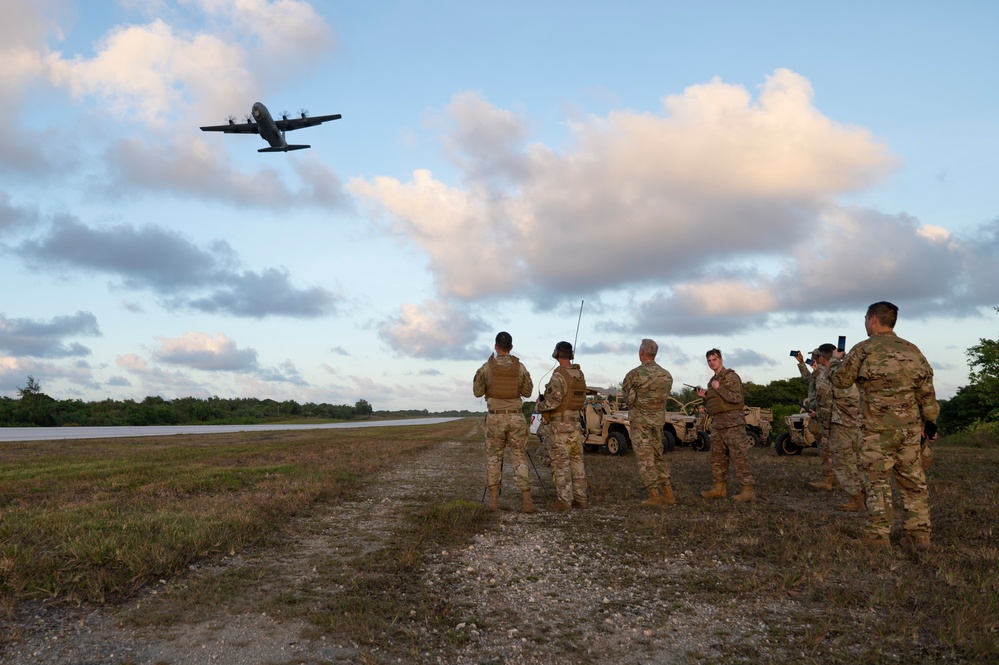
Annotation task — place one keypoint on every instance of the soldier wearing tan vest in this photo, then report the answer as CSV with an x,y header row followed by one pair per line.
x,y
564,396
504,381
723,401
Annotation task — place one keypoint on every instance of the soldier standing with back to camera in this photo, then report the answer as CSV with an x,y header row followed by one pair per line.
x,y
821,405
564,396
844,436
504,380
898,404
646,389
724,403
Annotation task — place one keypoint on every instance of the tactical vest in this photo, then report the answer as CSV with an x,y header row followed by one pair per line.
x,y
575,392
714,404
504,381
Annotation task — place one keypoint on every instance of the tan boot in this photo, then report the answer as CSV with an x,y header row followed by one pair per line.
x,y
825,485
719,491
559,506
747,495
528,504
666,492
580,503
654,498
854,505
493,498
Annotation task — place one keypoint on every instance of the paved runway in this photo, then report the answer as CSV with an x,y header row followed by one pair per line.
x,y
57,433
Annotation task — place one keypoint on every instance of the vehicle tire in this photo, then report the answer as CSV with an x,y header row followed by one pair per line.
x,y
703,442
669,441
617,443
785,446
754,439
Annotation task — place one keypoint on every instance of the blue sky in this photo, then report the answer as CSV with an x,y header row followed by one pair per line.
x,y
748,176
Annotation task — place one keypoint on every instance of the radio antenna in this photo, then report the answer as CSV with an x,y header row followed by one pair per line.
x,y
577,325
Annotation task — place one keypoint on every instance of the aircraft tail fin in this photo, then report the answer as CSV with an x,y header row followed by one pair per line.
x,y
285,148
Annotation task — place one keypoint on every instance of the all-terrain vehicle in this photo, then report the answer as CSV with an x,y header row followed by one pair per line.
x,y
687,428
798,435
758,422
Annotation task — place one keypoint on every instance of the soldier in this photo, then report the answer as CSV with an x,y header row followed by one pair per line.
x,y
646,389
504,380
820,398
844,436
564,396
724,403
898,404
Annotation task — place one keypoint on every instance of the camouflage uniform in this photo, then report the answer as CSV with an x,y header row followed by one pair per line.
x,y
565,443
821,402
646,389
896,397
505,422
844,439
728,428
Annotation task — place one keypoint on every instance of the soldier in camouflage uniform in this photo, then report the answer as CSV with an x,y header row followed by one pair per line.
x,y
844,435
564,396
724,403
646,389
898,402
504,380
821,405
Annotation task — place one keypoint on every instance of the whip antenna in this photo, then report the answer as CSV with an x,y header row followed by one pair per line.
x,y
577,325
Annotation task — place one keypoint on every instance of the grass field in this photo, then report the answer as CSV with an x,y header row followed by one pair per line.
x,y
95,521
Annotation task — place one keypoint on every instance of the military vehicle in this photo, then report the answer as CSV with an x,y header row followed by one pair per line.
x,y
758,421
695,429
606,425
798,435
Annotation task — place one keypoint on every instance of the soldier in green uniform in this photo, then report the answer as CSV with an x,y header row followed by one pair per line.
x,y
504,380
564,396
898,402
724,403
646,389
844,436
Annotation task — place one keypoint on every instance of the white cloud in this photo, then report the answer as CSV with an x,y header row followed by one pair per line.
x,y
433,330
636,197
205,352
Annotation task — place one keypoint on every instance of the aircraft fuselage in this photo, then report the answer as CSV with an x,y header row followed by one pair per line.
x,y
267,127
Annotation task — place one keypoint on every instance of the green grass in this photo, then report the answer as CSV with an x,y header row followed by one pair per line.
x,y
94,521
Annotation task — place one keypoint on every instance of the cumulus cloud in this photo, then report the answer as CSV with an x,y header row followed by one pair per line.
x,y
723,205
14,373
157,381
182,274
433,330
14,216
739,357
47,339
717,171
205,352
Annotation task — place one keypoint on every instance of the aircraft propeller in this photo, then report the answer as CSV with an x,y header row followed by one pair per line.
x,y
249,117
231,119
305,113
284,115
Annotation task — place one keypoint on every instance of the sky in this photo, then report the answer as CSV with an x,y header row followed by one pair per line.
x,y
746,176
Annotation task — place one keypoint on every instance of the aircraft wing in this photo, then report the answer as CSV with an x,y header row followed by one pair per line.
x,y
234,128
288,124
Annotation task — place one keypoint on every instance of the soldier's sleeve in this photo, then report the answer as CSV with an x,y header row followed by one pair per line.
x,y
843,373
479,382
926,397
627,388
803,370
553,394
526,383
730,388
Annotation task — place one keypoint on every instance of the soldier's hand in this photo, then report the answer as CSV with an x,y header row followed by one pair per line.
x,y
801,359
839,355
930,431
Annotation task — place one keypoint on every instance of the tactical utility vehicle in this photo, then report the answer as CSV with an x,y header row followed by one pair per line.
x,y
798,435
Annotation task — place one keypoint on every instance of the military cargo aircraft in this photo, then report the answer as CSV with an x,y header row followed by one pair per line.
x,y
260,122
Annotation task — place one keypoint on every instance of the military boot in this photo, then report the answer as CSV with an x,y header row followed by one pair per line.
x,y
654,498
747,495
493,498
528,504
854,505
559,506
825,485
666,492
580,503
719,491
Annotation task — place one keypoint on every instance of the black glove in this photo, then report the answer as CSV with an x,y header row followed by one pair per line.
x,y
929,430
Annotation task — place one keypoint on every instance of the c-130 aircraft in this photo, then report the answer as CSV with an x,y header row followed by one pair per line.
x,y
260,122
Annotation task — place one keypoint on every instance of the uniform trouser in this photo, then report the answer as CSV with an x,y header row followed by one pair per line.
x,y
730,443
825,451
884,454
844,444
506,430
566,451
647,440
